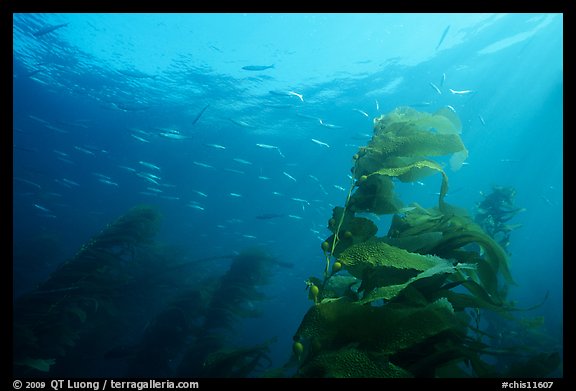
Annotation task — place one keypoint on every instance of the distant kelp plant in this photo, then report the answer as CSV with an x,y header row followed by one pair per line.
x,y
84,295
410,303
126,305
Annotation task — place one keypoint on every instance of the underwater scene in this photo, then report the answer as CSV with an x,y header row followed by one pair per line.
x,y
287,195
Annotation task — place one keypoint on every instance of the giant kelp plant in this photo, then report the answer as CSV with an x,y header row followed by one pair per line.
x,y
407,304
84,295
126,305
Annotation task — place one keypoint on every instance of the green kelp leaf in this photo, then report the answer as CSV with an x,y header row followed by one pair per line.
x,y
416,171
391,291
376,195
386,329
376,253
352,230
350,362
494,254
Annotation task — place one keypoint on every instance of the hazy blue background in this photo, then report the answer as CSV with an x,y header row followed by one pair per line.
x,y
91,98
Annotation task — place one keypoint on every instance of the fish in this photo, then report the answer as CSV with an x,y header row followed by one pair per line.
x,y
174,136
266,146
200,193
289,176
49,29
461,92
195,206
217,146
70,182
86,151
197,118
482,120
235,195
300,200
249,236
365,114
443,79
443,37
339,188
26,181
200,164
288,93
234,171
435,88
108,182
149,165
327,125
241,123
377,105
295,217
140,138
242,161
257,67
42,208
320,143
292,93
264,178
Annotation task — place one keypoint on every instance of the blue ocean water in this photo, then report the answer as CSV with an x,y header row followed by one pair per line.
x,y
240,129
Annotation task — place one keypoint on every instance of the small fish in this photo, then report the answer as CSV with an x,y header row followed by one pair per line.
x,y
300,200
26,181
339,188
292,93
289,176
320,143
149,165
147,178
200,193
443,79
460,92
365,114
175,136
48,29
377,105
235,195
125,168
242,161
435,88
101,175
216,146
277,193
234,171
295,217
108,182
70,182
249,236
482,120
257,67
266,146
327,125
443,37
195,206
42,208
84,150
241,123
197,118
139,138
200,164
264,178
